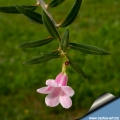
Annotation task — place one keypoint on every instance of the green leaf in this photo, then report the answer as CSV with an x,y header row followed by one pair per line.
x,y
37,43
49,30
76,67
34,16
72,14
88,49
55,3
43,58
65,40
14,10
50,26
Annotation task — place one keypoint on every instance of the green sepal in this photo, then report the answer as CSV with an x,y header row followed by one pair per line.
x,y
55,3
34,16
44,58
88,49
65,40
72,14
76,67
50,25
37,43
14,10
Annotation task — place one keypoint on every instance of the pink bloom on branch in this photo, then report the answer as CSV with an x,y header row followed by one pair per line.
x,y
58,91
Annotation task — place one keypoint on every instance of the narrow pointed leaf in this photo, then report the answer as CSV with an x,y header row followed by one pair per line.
x,y
14,10
50,26
37,43
65,40
88,49
76,67
55,3
34,16
72,14
43,58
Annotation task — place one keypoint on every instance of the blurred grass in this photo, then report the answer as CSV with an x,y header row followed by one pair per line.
x,y
98,24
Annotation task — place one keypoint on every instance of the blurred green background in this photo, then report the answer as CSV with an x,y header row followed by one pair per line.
x,y
97,24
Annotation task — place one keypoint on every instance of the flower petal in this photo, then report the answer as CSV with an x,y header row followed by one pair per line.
x,y
58,77
52,99
61,79
68,90
65,100
51,83
44,90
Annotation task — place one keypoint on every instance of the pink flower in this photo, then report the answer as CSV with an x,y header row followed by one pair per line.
x,y
58,91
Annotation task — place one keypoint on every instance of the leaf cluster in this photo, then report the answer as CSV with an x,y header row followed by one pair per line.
x,y
52,27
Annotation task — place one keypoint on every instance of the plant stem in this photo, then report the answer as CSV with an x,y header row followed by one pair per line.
x,y
45,8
